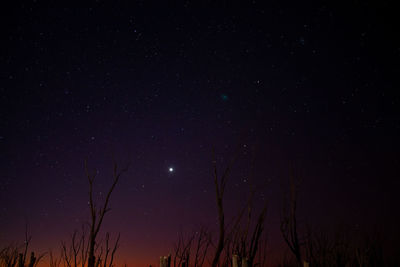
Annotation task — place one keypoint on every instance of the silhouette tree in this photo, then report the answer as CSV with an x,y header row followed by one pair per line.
x,y
97,213
243,242
220,183
192,250
289,227
12,256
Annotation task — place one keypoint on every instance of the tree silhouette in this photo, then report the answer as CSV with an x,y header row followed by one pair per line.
x,y
289,227
97,214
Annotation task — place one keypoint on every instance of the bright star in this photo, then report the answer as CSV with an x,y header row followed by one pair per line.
x,y
171,169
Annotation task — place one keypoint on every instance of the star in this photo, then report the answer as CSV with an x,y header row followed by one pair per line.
x,y
171,169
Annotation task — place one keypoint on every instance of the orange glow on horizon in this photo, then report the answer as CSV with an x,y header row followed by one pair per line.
x,y
118,263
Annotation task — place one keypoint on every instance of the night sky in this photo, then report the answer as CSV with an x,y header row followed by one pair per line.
x,y
312,88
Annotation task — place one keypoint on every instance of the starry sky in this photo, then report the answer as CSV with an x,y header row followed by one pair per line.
x,y
158,86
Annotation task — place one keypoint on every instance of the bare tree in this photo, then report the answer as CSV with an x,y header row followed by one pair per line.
x,y
84,248
28,239
244,236
244,242
12,256
53,260
183,250
202,245
9,256
192,250
289,227
97,213
109,259
76,252
220,183
232,238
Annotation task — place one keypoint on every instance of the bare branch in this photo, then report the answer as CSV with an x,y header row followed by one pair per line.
x,y
96,222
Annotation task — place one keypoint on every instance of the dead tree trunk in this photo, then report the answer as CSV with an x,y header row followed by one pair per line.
x,y
97,214
220,183
289,224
